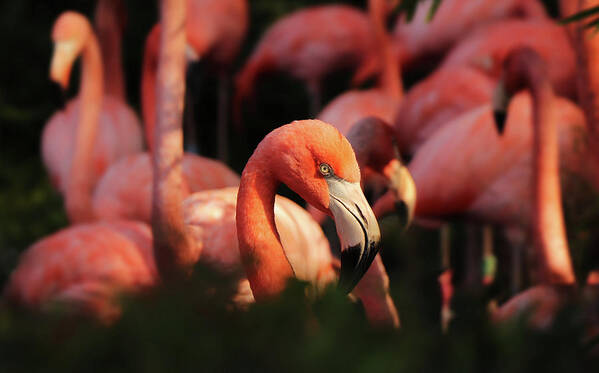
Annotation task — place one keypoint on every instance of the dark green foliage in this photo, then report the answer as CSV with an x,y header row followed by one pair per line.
x,y
584,15
191,326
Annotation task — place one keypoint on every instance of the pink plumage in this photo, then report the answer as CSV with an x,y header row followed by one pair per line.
x,y
119,134
454,20
86,266
125,191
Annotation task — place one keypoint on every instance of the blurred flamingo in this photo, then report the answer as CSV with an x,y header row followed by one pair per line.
x,y
525,69
308,44
470,71
125,190
587,50
103,128
490,45
215,30
382,101
109,21
83,265
490,176
421,39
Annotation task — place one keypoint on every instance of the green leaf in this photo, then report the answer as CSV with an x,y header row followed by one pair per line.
x,y
433,10
580,15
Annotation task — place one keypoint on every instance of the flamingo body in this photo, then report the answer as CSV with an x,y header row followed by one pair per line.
x,y
210,215
118,134
453,20
308,45
125,191
436,100
490,177
352,106
495,41
85,265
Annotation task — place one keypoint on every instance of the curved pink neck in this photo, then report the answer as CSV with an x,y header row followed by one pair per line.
x,y
266,265
549,231
173,247
390,78
108,19
80,184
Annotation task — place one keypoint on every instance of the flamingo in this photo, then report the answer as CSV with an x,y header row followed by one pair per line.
x,y
109,21
104,128
382,101
125,190
495,41
525,69
215,30
361,115
420,38
587,51
308,44
488,179
311,157
488,176
436,100
468,75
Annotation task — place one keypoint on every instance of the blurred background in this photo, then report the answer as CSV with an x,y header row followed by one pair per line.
x,y
189,327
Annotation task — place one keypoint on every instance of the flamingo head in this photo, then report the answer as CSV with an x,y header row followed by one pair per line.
x,y
70,33
316,161
377,152
515,75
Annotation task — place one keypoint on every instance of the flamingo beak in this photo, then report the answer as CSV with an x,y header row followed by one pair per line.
x,y
402,186
63,57
500,101
357,228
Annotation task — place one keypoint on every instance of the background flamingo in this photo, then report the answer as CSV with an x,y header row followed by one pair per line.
x,y
524,67
103,128
381,102
495,41
421,39
308,44
110,21
125,190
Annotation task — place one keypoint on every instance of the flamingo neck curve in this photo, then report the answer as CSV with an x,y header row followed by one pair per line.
x,y
173,248
91,91
264,259
390,78
549,232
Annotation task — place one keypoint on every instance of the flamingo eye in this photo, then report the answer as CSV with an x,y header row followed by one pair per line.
x,y
325,169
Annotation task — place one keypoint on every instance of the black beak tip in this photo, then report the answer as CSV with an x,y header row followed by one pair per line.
x,y
354,265
500,117
348,276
